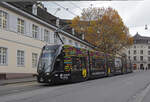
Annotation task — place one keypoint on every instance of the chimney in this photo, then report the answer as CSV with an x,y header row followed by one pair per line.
x,y
146,27
83,36
57,21
73,32
45,9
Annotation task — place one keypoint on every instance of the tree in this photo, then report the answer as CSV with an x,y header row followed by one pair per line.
x,y
104,28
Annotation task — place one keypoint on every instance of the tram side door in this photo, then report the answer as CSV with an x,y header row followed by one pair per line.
x,y
76,68
110,67
84,67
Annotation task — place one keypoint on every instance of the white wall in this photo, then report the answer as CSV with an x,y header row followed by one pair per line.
x,y
13,41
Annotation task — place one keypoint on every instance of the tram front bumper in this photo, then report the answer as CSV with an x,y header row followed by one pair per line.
x,y
43,78
47,77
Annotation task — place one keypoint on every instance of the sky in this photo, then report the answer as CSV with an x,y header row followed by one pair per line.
x,y
135,13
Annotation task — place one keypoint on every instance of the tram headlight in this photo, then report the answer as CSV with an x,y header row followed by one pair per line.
x,y
47,73
61,75
56,75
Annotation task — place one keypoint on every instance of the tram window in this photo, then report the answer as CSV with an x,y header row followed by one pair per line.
x,y
83,62
93,64
59,64
101,64
74,65
76,62
98,64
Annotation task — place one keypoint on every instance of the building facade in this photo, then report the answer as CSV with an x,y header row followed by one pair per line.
x,y
139,52
24,29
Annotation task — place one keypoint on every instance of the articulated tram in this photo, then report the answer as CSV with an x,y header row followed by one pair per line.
x,y
65,63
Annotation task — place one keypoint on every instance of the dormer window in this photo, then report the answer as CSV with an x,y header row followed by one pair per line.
x,y
34,9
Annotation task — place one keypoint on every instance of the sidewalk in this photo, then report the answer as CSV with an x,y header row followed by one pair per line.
x,y
13,81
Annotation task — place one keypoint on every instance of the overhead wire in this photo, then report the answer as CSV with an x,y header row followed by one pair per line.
x,y
65,8
75,5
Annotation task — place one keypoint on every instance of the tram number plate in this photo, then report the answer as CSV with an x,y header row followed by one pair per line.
x,y
64,76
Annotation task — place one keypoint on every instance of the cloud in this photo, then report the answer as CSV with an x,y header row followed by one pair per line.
x,y
135,14
140,15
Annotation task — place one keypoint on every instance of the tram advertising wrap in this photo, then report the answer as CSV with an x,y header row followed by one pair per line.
x,y
65,63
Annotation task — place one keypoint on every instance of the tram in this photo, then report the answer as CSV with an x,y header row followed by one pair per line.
x,y
65,63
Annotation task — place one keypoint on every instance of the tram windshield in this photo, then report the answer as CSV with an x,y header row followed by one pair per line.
x,y
47,57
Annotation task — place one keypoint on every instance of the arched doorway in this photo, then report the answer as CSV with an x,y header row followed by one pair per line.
x,y
142,66
134,66
148,66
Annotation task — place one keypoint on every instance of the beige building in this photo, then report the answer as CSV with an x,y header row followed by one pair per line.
x,y
139,52
24,29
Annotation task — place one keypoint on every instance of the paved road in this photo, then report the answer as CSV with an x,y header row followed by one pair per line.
x,y
124,88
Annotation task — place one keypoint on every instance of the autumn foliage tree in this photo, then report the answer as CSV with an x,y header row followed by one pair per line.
x,y
104,28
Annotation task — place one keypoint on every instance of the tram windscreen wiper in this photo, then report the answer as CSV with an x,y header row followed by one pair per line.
x,y
43,66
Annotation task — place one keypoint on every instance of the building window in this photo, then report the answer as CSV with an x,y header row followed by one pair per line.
x,y
129,57
35,31
21,26
3,56
76,44
3,19
34,60
141,58
46,35
129,52
134,51
141,52
134,46
134,58
148,47
148,58
70,41
20,58
148,52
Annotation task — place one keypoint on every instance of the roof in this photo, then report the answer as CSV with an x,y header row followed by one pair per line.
x,y
141,30
41,13
138,39
44,15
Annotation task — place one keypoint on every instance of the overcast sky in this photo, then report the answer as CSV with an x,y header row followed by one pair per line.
x,y
135,14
